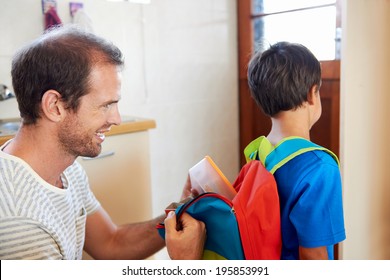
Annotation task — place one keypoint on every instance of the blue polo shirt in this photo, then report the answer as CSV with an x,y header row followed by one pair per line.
x,y
310,196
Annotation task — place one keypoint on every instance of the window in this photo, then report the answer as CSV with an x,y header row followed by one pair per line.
x,y
309,22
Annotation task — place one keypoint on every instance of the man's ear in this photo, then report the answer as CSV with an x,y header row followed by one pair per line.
x,y
51,105
312,94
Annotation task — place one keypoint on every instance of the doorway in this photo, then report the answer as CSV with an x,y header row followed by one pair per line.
x,y
253,123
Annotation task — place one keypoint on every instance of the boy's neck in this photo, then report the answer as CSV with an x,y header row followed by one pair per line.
x,y
289,123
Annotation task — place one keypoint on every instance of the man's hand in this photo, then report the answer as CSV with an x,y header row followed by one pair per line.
x,y
184,241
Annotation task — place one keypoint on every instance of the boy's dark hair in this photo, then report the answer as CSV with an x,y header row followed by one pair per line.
x,y
281,77
61,60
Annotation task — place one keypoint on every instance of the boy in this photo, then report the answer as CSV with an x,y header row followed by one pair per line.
x,y
285,82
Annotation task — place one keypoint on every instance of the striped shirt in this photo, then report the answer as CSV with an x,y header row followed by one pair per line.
x,y
38,220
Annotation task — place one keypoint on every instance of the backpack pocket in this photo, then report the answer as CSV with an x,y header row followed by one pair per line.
x,y
217,213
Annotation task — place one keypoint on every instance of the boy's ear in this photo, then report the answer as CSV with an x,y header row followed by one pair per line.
x,y
312,94
52,106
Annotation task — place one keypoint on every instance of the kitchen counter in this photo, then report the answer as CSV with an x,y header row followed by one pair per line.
x,y
129,124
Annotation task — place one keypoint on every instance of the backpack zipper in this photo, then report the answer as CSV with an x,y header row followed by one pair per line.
x,y
206,194
192,201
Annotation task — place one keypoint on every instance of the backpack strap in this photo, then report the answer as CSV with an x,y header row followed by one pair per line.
x,y
275,157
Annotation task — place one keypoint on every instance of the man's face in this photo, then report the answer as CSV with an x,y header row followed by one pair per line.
x,y
82,133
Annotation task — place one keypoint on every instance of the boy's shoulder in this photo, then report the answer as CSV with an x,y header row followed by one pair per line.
x,y
315,158
316,163
304,168
324,157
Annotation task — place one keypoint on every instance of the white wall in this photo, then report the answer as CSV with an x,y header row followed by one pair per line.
x,y
365,129
182,71
181,58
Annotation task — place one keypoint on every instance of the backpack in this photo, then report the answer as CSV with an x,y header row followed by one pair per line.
x,y
247,227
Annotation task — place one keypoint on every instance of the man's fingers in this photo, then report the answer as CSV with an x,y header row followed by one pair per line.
x,y
170,222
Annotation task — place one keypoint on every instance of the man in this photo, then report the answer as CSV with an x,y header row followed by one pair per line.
x,y
67,84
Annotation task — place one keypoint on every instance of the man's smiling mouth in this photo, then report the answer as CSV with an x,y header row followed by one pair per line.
x,y
101,134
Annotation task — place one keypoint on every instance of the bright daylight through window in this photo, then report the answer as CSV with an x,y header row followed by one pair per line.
x,y
309,22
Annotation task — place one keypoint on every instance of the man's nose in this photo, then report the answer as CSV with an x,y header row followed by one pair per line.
x,y
115,118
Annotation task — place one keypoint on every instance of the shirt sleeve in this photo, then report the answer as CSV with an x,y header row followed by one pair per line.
x,y
21,238
318,213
